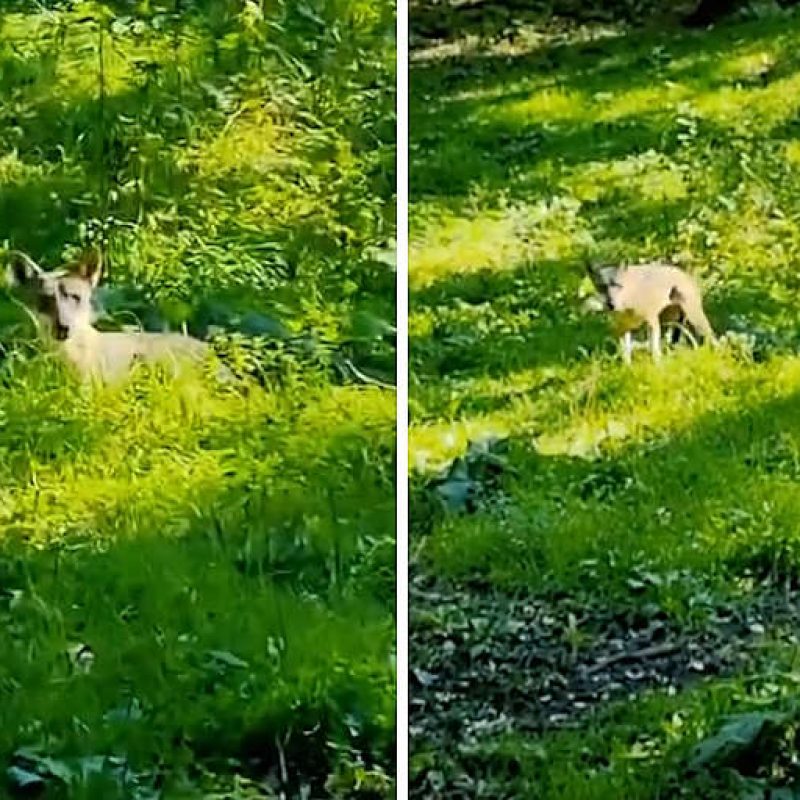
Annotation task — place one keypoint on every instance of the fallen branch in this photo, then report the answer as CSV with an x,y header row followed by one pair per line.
x,y
654,651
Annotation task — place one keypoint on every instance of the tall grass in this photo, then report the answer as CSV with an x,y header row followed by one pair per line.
x,y
197,581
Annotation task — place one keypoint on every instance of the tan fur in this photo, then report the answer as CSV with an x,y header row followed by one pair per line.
x,y
62,300
651,294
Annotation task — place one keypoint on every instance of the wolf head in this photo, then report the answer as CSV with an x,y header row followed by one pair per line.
x,y
62,298
606,281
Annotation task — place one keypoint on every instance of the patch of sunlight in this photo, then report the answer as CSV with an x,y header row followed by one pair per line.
x,y
724,105
61,50
254,140
342,412
670,399
747,237
764,108
650,175
529,395
194,440
561,105
549,230
14,170
61,500
526,41
736,57
745,66
461,245
543,106
792,151
637,102
650,401
421,323
432,447
604,407
277,202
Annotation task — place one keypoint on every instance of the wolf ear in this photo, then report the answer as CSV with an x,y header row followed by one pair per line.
x,y
602,276
90,267
21,270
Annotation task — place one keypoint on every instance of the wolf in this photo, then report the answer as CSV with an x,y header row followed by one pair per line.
x,y
61,301
649,294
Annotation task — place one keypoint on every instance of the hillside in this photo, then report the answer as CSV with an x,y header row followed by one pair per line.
x,y
605,580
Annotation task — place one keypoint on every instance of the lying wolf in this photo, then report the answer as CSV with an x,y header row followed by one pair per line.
x,y
62,302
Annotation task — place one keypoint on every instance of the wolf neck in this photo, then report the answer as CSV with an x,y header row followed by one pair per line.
x,y
83,334
81,342
81,349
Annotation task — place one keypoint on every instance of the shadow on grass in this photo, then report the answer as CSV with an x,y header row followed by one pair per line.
x,y
717,499
621,58
460,140
689,534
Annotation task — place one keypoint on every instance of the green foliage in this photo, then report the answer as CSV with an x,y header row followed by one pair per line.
x,y
197,582
641,510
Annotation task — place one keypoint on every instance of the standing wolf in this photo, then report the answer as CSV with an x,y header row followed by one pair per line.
x,y
649,294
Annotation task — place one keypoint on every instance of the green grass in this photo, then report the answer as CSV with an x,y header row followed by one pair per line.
x,y
527,156
197,581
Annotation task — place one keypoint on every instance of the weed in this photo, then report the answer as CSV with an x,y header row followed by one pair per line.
x,y
196,582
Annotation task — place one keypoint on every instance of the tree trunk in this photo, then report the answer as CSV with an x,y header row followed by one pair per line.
x,y
707,12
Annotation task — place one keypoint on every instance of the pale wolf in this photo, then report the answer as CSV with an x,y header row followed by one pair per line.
x,y
62,302
649,294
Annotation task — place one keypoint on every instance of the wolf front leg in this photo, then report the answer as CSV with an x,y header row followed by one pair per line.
x,y
655,339
626,344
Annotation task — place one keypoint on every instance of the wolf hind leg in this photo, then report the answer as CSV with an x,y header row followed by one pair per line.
x,y
693,313
674,318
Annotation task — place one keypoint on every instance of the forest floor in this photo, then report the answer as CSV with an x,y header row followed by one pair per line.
x,y
605,587
197,581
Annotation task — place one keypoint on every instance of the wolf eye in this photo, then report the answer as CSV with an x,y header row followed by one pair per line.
x,y
67,295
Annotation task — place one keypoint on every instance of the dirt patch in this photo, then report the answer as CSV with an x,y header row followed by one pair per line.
x,y
485,663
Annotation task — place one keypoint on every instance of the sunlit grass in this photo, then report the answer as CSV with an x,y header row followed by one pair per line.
x,y
222,555
193,510
655,145
460,244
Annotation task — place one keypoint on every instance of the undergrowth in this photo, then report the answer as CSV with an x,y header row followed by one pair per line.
x,y
197,581
662,499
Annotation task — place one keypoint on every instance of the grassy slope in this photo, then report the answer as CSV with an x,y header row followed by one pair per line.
x,y
224,556
526,156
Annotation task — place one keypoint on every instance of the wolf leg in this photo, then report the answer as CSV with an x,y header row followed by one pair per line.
x,y
626,342
655,339
696,317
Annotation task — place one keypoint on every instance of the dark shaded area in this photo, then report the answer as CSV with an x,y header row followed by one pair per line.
x,y
445,20
488,664
494,652
445,108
